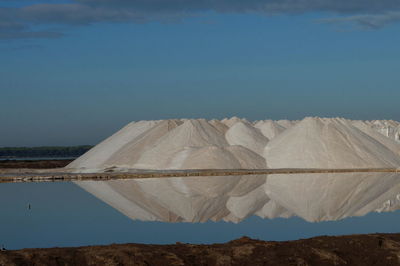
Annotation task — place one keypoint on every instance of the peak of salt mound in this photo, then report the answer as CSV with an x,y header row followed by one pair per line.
x,y
269,128
195,133
233,120
171,150
221,127
327,143
286,123
246,136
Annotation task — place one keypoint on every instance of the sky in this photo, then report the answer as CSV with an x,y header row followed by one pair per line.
x,y
73,72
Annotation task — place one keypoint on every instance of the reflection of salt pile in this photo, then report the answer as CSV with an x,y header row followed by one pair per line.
x,y
313,197
334,196
237,143
173,199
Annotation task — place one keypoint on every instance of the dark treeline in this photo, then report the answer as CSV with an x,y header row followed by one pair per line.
x,y
51,151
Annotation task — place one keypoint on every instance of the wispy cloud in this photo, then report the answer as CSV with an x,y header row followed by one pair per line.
x,y
14,29
374,21
20,22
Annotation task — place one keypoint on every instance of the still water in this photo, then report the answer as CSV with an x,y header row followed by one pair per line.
x,y
197,209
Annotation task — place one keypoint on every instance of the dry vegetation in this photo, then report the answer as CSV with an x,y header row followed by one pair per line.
x,y
374,249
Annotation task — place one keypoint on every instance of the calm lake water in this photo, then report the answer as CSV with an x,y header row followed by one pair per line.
x,y
197,209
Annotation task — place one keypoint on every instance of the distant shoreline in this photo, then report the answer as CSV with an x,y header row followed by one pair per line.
x,y
43,152
49,163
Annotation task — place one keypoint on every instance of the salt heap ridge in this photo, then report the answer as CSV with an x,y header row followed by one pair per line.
x,y
240,144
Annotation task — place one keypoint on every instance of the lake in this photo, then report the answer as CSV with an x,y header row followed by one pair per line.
x,y
197,209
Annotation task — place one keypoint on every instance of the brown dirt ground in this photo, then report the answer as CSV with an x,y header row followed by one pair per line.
x,y
372,249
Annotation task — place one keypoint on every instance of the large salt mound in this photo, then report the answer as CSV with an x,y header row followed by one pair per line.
x,y
246,136
327,143
170,144
237,143
269,128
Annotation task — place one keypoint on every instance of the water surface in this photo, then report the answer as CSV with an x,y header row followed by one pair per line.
x,y
197,209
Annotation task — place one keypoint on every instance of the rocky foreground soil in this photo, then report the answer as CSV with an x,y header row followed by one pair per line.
x,y
372,249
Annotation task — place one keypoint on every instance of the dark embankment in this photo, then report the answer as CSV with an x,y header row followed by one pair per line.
x,y
373,249
45,151
33,164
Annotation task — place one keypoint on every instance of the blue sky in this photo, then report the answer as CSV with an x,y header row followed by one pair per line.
x,y
73,72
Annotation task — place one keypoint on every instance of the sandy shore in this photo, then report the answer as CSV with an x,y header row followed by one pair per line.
x,y
16,171
369,249
61,174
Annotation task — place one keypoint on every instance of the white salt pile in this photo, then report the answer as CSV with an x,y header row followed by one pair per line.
x,y
330,143
270,128
237,143
247,136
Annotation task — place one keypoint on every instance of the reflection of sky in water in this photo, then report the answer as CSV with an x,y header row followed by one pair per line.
x,y
62,214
